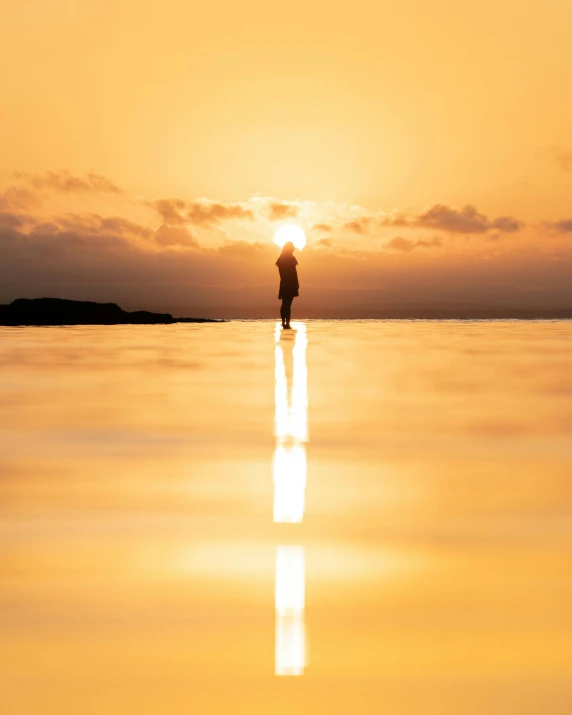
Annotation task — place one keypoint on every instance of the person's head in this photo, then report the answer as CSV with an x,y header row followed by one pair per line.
x,y
288,248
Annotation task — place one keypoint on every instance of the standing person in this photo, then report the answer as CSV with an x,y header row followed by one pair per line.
x,y
288,281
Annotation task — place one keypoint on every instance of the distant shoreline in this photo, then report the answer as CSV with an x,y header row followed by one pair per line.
x,y
61,312
308,309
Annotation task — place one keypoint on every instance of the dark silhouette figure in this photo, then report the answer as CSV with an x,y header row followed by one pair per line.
x,y
288,281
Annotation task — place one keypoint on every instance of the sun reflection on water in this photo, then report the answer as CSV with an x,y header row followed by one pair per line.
x,y
290,657
289,474
290,424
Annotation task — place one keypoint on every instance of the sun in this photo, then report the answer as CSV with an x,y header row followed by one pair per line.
x,y
290,232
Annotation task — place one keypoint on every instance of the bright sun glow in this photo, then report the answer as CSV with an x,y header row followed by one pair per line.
x,y
290,232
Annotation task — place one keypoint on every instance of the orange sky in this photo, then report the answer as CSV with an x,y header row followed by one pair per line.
x,y
425,147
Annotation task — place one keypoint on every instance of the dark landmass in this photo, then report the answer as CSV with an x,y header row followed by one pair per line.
x,y
56,311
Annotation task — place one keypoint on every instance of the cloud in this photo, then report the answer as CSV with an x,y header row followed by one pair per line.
x,y
564,158
359,225
401,244
507,224
405,245
65,181
245,250
10,220
170,210
94,224
167,235
16,198
466,220
210,212
278,210
323,227
202,212
563,226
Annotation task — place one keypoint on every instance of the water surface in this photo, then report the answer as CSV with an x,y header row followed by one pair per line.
x,y
350,517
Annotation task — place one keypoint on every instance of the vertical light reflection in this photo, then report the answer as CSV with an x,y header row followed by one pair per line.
x,y
290,423
290,656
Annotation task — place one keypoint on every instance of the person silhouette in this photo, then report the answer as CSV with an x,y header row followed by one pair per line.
x,y
288,281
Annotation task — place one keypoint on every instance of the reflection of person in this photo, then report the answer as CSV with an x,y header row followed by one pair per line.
x,y
288,281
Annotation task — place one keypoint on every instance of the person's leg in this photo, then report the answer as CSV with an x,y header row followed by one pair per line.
x,y
283,312
288,308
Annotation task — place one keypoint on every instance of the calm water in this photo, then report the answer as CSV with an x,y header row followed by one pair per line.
x,y
350,517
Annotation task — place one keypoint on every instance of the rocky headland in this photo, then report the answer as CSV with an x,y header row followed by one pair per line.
x,y
57,311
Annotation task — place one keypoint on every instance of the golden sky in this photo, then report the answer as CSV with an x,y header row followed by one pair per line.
x,y
436,138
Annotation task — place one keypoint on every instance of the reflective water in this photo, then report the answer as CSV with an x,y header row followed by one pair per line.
x,y
348,517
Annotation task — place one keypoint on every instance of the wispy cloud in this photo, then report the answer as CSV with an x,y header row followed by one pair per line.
x,y
167,235
200,213
360,225
278,210
94,224
465,220
68,183
563,226
10,220
205,212
172,211
17,198
563,157
405,245
323,227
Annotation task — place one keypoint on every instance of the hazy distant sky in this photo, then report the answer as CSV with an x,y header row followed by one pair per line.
x,y
150,150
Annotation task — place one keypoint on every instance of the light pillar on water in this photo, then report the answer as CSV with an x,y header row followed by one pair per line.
x,y
289,476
